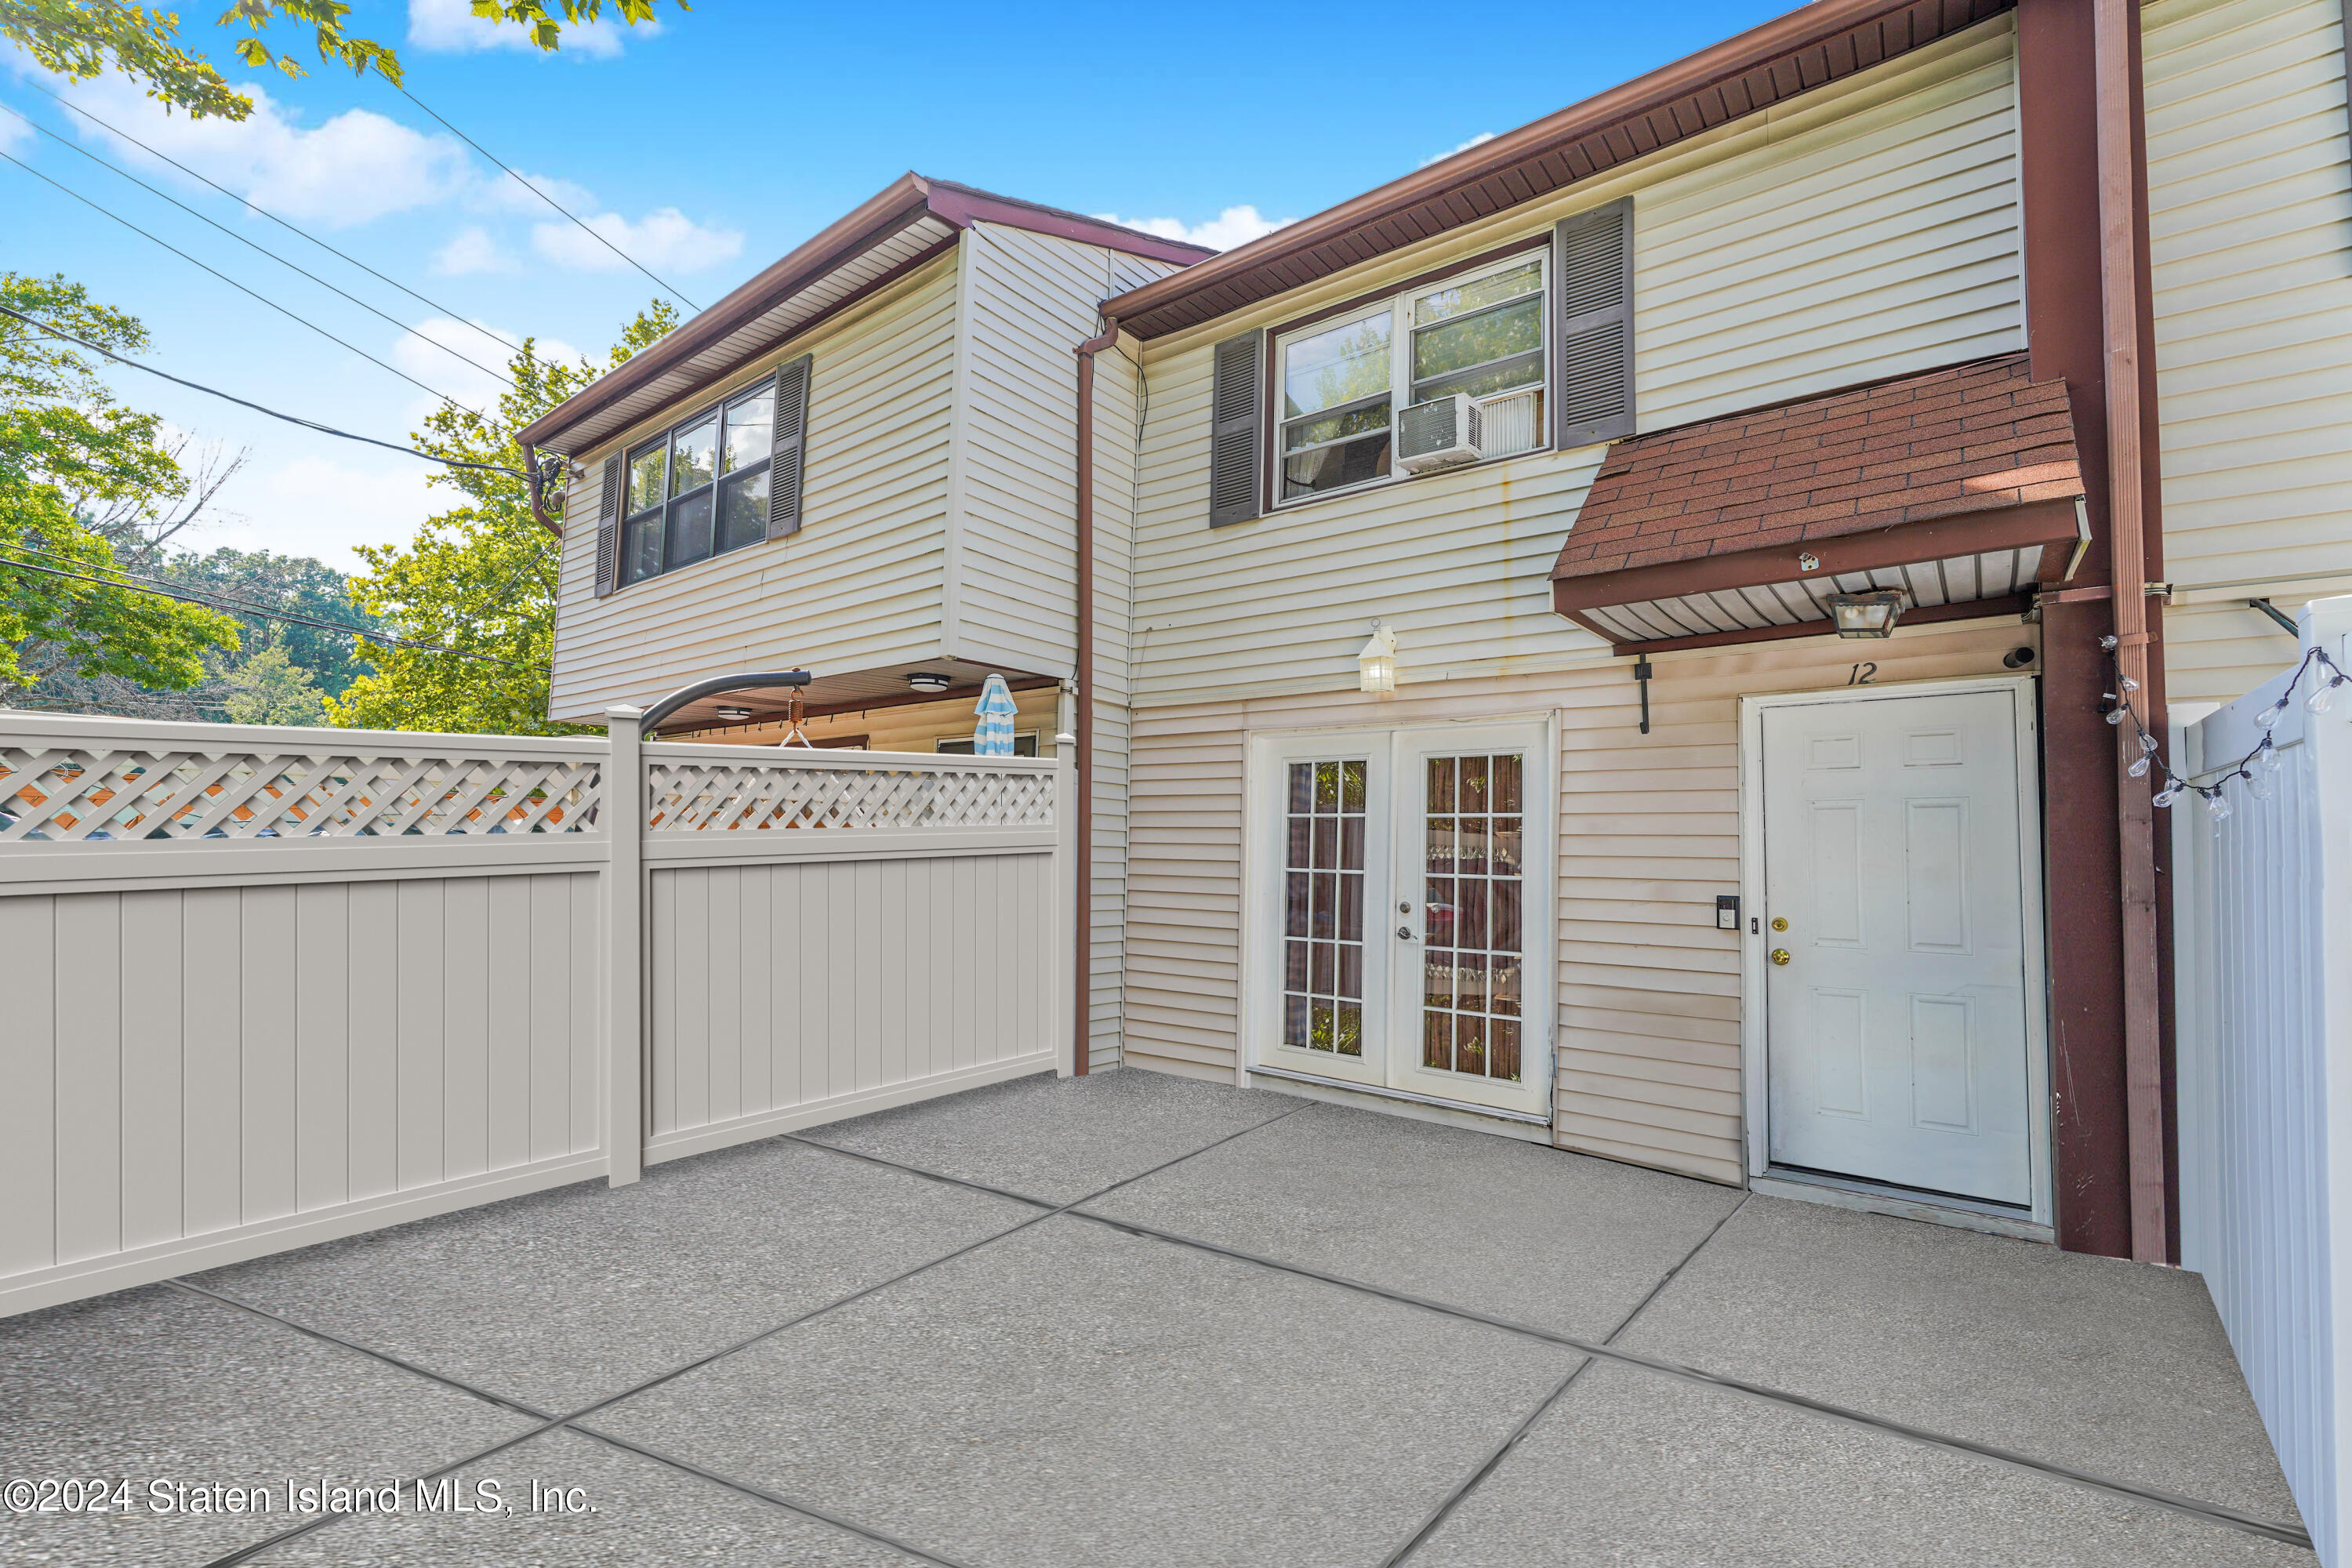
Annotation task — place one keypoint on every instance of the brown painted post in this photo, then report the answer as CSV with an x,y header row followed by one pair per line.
x,y
2058,129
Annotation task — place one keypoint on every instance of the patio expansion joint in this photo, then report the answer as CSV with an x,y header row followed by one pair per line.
x,y
2195,1508
573,1421
1470,1483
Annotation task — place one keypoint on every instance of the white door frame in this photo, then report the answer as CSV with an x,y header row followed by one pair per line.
x,y
1753,947
1262,778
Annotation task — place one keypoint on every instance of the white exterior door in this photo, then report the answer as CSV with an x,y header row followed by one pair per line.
x,y
1895,921
1402,894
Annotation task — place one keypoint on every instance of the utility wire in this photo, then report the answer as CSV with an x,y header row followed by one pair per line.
x,y
273,218
543,195
62,334
291,617
240,287
265,251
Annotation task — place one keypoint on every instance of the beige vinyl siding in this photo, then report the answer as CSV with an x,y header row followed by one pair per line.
x,y
1648,1060
1864,231
860,584
2250,229
1116,388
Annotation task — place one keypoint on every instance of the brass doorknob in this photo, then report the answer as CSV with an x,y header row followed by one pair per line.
x,y
1779,955
1779,922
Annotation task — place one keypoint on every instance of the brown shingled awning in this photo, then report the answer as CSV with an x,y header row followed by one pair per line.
x,y
1959,486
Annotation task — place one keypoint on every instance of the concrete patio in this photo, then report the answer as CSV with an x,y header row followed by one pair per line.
x,y
1132,1319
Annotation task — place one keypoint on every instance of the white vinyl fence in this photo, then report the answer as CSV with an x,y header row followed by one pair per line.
x,y
262,988
2263,922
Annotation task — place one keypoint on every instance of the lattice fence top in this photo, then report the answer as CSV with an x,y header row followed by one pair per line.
x,y
702,798
92,793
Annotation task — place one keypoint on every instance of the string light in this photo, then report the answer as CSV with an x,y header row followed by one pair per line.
x,y
2258,767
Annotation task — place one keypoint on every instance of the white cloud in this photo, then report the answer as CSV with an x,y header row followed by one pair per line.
x,y
1232,227
1478,141
348,170
472,251
504,193
450,27
664,240
321,507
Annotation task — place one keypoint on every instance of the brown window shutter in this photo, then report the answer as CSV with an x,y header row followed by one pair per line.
x,y
790,447
1236,402
1592,272
608,528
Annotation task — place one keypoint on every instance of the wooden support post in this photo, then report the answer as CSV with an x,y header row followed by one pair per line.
x,y
624,813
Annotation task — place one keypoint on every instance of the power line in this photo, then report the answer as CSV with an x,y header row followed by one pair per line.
x,y
273,218
543,195
289,617
265,251
240,287
62,334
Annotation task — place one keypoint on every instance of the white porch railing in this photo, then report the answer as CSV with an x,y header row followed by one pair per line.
x,y
2262,922
270,986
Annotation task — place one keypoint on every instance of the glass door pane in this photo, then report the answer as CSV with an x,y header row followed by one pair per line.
x,y
1323,908
1473,828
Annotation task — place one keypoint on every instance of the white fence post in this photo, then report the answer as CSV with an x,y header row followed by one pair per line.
x,y
625,949
2327,625
1067,1018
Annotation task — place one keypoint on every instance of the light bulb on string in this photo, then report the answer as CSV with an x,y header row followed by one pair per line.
x,y
2117,714
2146,742
2138,768
2129,684
2217,803
2323,696
2258,782
2169,794
2269,717
2268,756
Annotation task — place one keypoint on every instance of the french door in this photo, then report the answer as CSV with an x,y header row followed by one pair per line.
x,y
1401,906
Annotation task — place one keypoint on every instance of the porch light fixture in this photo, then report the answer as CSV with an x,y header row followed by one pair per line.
x,y
1376,666
1871,614
930,682
733,715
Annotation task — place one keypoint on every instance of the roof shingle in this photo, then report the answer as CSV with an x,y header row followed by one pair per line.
x,y
1971,437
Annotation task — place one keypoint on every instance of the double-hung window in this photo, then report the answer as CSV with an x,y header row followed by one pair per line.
x,y
1340,383
700,489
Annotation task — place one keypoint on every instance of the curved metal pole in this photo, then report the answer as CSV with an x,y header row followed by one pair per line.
x,y
713,687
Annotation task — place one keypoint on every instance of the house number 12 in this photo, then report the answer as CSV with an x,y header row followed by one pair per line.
x,y
1862,675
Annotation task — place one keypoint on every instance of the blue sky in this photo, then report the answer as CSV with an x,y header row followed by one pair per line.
x,y
707,148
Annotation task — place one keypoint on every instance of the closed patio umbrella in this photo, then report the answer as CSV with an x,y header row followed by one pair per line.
x,y
993,737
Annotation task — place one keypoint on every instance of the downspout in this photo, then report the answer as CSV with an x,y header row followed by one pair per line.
x,y
538,502
2113,46
1083,669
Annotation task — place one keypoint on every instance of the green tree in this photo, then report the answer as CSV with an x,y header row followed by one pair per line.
x,y
479,579
63,436
78,38
268,688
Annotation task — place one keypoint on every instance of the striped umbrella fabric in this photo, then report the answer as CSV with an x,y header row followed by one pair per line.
x,y
993,737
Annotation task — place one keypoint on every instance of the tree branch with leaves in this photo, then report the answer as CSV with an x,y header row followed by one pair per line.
x,y
480,578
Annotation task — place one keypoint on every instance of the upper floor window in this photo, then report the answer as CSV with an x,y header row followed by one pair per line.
x,y
700,489
1341,385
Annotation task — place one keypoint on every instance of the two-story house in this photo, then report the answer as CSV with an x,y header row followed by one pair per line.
x,y
1601,639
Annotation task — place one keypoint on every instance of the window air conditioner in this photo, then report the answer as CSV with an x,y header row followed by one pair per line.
x,y
1439,434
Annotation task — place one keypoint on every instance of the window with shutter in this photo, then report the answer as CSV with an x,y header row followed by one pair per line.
x,y
1593,258
792,427
1358,389
608,526
711,483
1234,400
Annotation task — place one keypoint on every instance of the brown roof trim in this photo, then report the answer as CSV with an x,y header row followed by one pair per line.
x,y
2046,524
1791,54
874,220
